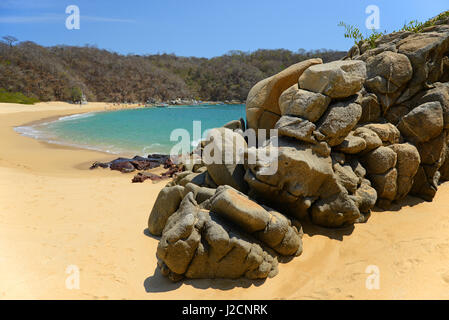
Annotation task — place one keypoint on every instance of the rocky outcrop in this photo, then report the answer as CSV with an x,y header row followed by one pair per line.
x,y
219,233
196,243
263,99
234,237
386,108
365,131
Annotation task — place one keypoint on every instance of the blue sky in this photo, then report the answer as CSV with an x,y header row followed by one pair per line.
x,y
204,28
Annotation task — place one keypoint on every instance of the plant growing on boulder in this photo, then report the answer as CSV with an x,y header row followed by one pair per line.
x,y
353,32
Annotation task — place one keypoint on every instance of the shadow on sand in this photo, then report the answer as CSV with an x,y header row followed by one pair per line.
x,y
408,201
149,235
336,234
158,283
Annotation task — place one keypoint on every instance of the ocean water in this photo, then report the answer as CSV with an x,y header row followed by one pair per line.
x,y
134,132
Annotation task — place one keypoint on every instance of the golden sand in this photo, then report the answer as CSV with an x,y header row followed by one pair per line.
x,y
55,213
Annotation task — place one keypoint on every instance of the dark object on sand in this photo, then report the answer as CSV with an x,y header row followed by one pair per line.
x,y
126,165
143,176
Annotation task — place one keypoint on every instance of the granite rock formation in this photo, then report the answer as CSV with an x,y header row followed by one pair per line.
x,y
352,134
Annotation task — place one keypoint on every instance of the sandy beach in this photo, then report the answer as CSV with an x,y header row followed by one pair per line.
x,y
55,213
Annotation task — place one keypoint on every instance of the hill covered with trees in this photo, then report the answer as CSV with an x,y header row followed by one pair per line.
x,y
62,72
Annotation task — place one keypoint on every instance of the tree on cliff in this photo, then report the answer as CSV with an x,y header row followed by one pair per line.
x,y
10,40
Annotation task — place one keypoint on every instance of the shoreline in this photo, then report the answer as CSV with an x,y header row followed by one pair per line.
x,y
54,213
96,108
104,107
48,112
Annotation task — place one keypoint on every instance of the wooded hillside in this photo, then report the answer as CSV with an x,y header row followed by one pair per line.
x,y
57,73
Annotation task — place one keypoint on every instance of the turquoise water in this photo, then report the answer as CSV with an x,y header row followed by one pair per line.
x,y
136,131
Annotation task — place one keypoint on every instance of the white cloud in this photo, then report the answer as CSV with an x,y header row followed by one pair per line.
x,y
32,19
104,19
58,18
25,4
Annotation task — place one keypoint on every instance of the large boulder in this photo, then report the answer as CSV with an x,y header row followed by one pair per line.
x,y
387,132
432,151
224,155
337,210
424,184
423,123
297,128
388,72
300,175
379,160
305,182
302,103
365,197
425,51
338,121
371,110
385,184
166,204
408,161
262,104
236,125
372,139
338,79
346,177
201,194
269,226
198,244
352,144
438,93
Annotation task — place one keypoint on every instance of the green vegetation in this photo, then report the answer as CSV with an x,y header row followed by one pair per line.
x,y
76,95
353,32
15,97
52,73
